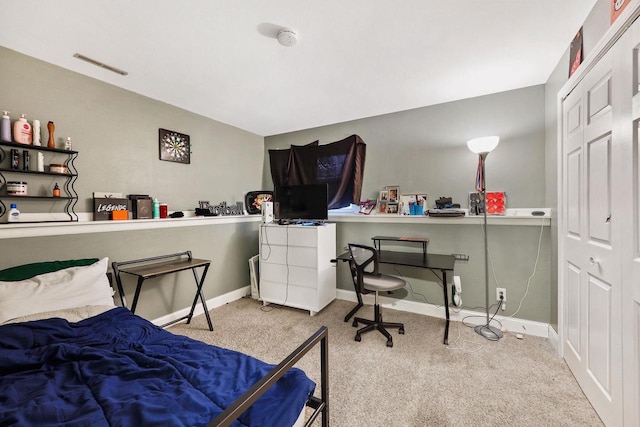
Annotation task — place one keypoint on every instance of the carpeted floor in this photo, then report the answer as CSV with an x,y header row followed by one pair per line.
x,y
417,382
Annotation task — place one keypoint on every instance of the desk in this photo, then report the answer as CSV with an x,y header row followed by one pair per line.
x,y
434,262
160,266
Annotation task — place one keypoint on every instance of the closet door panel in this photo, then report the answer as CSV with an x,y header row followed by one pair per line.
x,y
599,195
599,350
573,191
573,310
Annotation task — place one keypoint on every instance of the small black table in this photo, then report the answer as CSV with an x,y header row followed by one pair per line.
x,y
434,262
148,268
377,241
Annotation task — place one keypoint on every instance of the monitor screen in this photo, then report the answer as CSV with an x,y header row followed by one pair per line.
x,y
301,202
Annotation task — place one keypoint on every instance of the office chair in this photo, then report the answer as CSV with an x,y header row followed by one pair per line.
x,y
365,260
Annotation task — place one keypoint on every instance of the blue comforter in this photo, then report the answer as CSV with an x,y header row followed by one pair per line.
x,y
117,369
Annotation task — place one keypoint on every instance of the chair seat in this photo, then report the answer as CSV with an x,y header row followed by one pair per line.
x,y
382,282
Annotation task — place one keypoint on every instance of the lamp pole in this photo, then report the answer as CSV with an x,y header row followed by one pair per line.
x,y
483,146
486,330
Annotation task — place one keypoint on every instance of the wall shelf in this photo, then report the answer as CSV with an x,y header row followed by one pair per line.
x,y
71,198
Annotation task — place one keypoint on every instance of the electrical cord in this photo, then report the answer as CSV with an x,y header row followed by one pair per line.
x,y
491,319
535,266
414,293
286,296
264,236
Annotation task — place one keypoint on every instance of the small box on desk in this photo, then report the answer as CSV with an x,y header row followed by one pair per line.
x,y
141,206
119,215
103,206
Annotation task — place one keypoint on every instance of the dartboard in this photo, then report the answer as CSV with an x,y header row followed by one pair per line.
x,y
174,146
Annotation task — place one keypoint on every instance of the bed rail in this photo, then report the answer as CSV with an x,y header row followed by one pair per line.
x,y
320,405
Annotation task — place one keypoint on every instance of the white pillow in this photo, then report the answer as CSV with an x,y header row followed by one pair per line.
x,y
67,288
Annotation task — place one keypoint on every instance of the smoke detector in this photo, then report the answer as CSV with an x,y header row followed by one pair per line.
x,y
287,37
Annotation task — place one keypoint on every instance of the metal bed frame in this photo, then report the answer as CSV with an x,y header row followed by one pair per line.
x,y
320,405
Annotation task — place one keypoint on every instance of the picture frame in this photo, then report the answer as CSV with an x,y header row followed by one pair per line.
x,y
382,207
367,206
388,201
394,193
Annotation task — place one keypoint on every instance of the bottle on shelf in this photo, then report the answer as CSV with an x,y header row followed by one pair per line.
x,y
51,142
5,128
40,162
14,213
156,208
22,130
56,191
25,160
15,159
67,144
37,139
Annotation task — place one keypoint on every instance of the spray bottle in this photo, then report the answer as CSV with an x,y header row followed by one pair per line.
x,y
5,128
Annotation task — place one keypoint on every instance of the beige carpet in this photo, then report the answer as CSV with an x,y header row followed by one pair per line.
x,y
418,382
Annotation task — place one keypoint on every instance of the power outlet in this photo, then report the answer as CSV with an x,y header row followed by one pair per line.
x,y
501,294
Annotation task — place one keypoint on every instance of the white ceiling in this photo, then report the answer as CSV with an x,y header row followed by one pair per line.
x,y
353,59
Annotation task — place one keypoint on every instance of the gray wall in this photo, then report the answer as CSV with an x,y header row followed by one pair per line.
x,y
424,150
116,133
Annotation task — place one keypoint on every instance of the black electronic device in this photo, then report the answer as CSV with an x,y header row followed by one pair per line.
x,y
538,213
301,203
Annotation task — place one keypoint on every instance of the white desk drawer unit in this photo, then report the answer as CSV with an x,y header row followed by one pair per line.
x,y
295,265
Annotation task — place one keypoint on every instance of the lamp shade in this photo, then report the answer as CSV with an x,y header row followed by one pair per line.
x,y
483,145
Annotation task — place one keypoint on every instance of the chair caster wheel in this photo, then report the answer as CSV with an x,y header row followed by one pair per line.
x,y
401,331
389,342
354,324
358,338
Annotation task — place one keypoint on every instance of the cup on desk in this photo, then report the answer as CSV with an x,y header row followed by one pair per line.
x,y
164,210
415,209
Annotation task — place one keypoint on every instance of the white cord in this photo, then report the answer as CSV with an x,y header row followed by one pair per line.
x,y
535,266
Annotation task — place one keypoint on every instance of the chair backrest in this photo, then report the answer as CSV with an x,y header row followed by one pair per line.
x,y
364,258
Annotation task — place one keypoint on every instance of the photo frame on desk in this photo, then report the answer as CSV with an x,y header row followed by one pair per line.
x,y
394,193
367,206
388,200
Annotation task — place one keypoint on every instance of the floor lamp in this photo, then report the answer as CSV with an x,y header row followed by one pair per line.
x,y
483,146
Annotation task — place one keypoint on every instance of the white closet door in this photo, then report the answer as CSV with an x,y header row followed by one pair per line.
x,y
591,256
631,249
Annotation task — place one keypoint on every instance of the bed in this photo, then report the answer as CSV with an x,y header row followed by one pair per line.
x,y
69,356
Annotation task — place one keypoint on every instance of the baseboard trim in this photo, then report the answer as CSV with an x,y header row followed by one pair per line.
x,y
554,340
211,304
515,325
